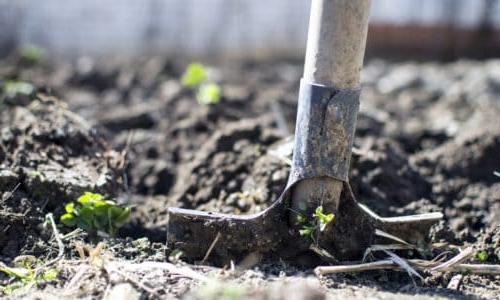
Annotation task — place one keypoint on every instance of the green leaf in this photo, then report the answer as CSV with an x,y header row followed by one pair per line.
x,y
110,202
326,219
322,225
99,223
32,54
50,275
89,198
323,219
307,231
70,207
13,88
482,256
209,94
93,213
115,212
86,212
123,217
19,273
85,224
318,211
194,75
101,208
68,220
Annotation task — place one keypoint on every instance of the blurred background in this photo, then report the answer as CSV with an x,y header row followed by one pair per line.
x,y
399,29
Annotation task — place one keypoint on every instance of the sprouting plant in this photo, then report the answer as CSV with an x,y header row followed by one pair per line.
x,y
194,75
13,88
208,94
496,173
32,54
24,275
92,213
319,222
482,256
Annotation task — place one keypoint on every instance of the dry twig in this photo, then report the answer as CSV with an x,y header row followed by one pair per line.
x,y
323,254
57,237
11,193
421,265
461,257
377,247
73,284
392,237
216,239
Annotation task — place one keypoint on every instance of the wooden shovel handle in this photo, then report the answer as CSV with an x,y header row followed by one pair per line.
x,y
336,42
334,57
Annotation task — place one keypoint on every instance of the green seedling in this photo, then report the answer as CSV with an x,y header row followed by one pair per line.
x,y
32,54
319,222
13,88
92,213
482,256
194,75
25,276
208,94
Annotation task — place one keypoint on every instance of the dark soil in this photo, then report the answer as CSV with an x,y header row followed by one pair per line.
x,y
428,139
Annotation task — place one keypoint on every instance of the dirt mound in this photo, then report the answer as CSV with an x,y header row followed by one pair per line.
x,y
383,178
49,157
230,172
462,174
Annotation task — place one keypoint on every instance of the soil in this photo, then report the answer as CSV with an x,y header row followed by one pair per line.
x,y
428,139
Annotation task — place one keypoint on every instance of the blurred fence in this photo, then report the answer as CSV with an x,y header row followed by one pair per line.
x,y
242,28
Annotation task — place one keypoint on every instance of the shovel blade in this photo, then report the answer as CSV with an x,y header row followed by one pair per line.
x,y
194,232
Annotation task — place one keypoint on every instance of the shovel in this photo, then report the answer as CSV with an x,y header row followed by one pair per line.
x,y
326,119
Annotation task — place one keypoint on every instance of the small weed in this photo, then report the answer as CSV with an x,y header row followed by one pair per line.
x,y
13,88
482,256
208,94
15,92
92,213
24,276
194,75
319,222
32,54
